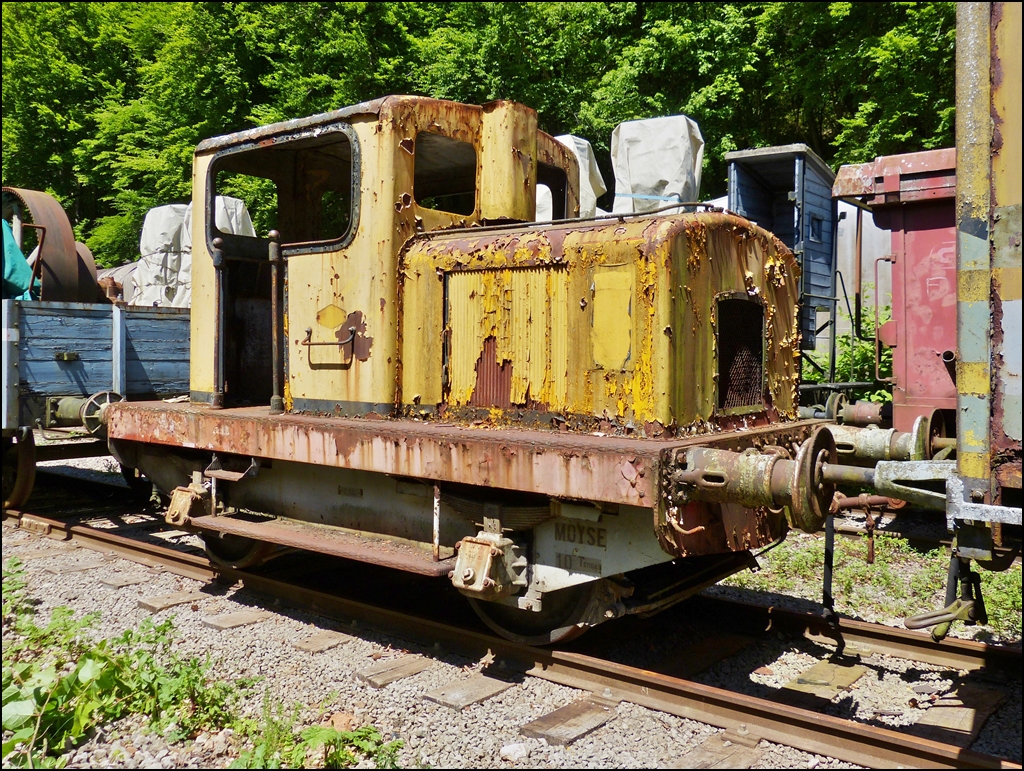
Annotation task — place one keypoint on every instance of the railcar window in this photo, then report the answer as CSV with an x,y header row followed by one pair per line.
x,y
740,354
302,187
816,226
444,176
557,182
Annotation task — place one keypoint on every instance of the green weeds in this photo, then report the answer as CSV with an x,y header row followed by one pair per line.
x,y
278,744
59,684
901,582
855,359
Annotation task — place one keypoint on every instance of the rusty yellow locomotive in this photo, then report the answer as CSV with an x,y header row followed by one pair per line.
x,y
571,421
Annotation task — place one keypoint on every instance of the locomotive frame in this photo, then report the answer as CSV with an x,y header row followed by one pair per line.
x,y
563,461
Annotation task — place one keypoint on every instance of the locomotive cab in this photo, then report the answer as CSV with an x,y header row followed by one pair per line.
x,y
571,421
343,192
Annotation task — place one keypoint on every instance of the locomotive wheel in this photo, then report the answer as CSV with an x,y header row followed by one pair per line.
x,y
141,487
19,468
235,551
556,623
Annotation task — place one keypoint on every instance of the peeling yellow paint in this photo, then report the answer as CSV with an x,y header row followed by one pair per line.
x,y
362,275
975,465
973,377
524,310
969,440
973,286
639,319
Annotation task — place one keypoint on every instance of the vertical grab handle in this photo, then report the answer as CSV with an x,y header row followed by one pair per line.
x,y
274,249
878,375
219,292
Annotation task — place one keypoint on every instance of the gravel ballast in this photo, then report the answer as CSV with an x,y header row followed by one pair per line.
x,y
485,734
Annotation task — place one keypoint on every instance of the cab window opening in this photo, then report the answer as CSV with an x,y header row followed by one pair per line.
x,y
557,182
444,175
305,188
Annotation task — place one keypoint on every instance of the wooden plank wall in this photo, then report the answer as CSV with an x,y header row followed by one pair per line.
x,y
155,350
49,329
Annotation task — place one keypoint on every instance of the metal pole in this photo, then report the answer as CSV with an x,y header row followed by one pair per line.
x,y
217,400
437,524
826,585
858,276
276,402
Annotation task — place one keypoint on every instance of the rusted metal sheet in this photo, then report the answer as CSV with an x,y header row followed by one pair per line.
x,y
559,464
330,540
637,300
1006,431
899,178
554,154
67,272
911,195
508,162
260,133
361,272
523,312
1006,329
988,251
973,211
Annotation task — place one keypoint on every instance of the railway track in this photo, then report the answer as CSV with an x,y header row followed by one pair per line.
x,y
741,715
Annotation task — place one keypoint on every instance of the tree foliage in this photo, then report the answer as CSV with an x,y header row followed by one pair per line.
x,y
103,103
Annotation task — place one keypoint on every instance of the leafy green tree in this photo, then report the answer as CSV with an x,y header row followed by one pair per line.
x,y
103,103
60,62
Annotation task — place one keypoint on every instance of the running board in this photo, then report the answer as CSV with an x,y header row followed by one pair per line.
x,y
376,550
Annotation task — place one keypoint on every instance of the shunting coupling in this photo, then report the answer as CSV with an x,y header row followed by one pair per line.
x,y
755,478
921,483
923,442
88,414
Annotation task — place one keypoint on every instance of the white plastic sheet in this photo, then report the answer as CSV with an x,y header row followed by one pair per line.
x,y
163,276
156,277
592,184
656,161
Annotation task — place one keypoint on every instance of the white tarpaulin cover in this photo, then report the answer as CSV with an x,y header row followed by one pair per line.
x,y
164,274
656,161
591,182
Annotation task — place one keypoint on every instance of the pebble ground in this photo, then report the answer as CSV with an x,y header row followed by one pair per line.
x,y
482,735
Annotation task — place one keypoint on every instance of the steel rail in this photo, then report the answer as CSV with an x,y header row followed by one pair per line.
x,y
864,638
151,555
793,726
777,722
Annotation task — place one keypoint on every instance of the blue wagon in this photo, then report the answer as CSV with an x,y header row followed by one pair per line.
x,y
63,363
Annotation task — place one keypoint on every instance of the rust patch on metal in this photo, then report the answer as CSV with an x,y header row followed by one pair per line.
x,y
330,540
360,343
672,268
1009,474
559,464
493,379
